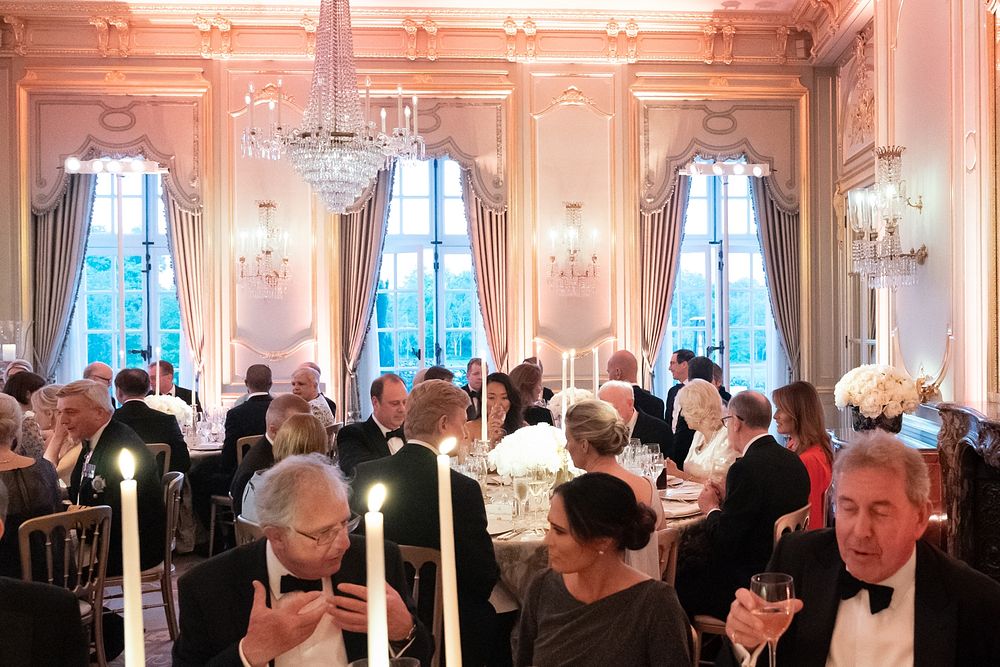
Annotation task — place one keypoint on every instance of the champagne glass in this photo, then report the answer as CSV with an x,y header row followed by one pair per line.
x,y
776,591
521,490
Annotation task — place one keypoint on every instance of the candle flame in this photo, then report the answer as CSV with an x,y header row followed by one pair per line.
x,y
565,355
447,445
376,496
126,462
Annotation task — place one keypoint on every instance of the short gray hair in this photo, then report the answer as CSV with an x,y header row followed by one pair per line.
x,y
752,408
879,450
617,385
10,418
282,484
93,391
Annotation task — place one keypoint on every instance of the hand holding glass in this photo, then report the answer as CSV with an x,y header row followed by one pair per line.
x,y
776,592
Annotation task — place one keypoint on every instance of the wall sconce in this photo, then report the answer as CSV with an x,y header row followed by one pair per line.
x,y
112,165
267,275
571,276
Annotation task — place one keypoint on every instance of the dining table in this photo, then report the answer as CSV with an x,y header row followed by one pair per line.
x,y
189,529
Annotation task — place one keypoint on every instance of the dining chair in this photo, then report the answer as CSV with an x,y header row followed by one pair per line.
x,y
162,574
75,550
417,559
158,449
791,522
222,504
668,541
247,531
243,445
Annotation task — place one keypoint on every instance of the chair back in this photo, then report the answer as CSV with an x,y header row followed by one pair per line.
x,y
668,540
158,450
420,560
75,549
247,531
336,428
243,444
791,522
173,485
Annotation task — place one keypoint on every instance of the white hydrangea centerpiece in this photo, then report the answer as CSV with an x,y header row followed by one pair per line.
x,y
538,448
171,405
876,389
571,395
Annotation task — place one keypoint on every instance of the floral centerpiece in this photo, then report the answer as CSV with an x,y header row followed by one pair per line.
x,y
171,405
878,396
571,395
528,450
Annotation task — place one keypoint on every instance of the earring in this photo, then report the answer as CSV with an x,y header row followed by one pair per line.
x,y
600,551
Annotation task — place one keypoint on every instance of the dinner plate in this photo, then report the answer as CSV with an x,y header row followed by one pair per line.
x,y
673,510
205,448
681,494
497,525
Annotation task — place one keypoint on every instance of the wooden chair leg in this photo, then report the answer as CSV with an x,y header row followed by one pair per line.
x,y
167,590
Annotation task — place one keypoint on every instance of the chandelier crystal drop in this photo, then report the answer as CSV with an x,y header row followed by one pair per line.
x,y
267,275
573,275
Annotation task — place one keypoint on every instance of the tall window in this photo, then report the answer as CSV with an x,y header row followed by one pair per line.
x,y
126,309
720,307
426,305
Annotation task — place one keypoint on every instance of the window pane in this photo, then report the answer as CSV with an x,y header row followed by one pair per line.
x,y
458,271
406,351
100,311
135,313
131,185
134,215
134,341
99,273
416,217
384,315
170,349
759,346
386,272
100,347
170,312
758,269
458,345
161,213
386,350
104,182
739,308
102,216
165,273
133,272
699,186
739,211
415,178
407,314
406,266
452,179
739,269
696,221
738,186
458,310
739,347
761,308
454,218
393,220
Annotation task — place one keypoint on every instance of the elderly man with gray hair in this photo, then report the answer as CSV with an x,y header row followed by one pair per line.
x,y
646,428
297,597
870,591
305,385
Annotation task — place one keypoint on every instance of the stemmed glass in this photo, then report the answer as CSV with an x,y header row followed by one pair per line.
x,y
776,591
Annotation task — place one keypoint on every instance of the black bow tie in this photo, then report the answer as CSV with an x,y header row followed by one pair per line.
x,y
291,583
879,596
398,433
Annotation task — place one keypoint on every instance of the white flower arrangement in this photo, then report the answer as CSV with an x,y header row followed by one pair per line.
x,y
538,447
877,390
572,394
171,405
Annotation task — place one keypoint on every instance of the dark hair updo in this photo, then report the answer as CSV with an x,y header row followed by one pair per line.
x,y
599,505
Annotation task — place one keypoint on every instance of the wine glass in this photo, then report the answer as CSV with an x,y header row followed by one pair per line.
x,y
776,591
521,490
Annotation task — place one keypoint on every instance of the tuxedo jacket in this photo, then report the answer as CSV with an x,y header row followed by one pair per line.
x,y
955,607
40,626
651,429
155,426
472,412
216,597
359,442
184,395
536,414
259,457
241,421
86,490
646,402
411,518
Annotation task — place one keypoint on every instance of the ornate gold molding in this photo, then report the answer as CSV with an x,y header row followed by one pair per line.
x,y
17,27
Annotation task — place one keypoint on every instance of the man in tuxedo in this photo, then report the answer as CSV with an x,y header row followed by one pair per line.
x,y
305,385
717,379
299,596
640,425
683,436
85,410
98,371
249,418
435,410
622,365
131,385
260,456
162,373
870,591
474,387
39,623
382,434
738,532
313,365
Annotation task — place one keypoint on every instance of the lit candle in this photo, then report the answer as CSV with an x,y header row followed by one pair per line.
x,y
194,393
565,357
157,366
135,649
449,582
382,114
597,371
413,100
378,623
249,99
406,123
482,400
399,107
572,368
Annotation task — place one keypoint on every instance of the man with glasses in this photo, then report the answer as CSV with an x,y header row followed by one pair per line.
x,y
297,597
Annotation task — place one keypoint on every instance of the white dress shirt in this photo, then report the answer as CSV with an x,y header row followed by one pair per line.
x,y
395,443
631,422
863,639
677,411
324,647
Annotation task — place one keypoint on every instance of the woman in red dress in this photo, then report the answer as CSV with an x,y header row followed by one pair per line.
x,y
798,415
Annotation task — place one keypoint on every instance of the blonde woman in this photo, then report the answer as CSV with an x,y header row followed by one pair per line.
x,y
61,450
300,434
710,454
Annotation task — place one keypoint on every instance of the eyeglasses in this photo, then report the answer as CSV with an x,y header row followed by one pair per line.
x,y
329,535
728,417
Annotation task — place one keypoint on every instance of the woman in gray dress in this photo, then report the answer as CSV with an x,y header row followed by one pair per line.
x,y
589,607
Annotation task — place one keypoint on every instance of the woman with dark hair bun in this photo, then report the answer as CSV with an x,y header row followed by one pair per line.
x,y
589,594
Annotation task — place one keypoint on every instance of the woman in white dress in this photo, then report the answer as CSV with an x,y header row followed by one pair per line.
x,y
710,455
595,434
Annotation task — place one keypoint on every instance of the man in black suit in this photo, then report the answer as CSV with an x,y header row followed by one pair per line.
x,y
85,410
39,623
766,483
98,371
131,385
299,592
249,417
382,434
260,456
162,373
474,387
870,591
622,365
435,411
683,436
640,425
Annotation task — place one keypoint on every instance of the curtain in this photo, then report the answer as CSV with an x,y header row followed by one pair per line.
x,y
186,234
362,233
59,246
778,231
488,232
661,231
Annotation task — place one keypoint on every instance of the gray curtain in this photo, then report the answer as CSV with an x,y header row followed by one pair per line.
x,y
661,231
488,232
778,231
362,234
186,234
59,244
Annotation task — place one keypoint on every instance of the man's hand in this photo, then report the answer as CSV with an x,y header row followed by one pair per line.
x,y
742,626
708,499
277,629
352,614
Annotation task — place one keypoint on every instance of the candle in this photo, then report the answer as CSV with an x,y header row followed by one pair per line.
x,y
156,365
399,107
135,649
597,371
279,102
572,368
565,357
482,400
194,392
449,583
9,352
406,122
378,623
249,99
382,114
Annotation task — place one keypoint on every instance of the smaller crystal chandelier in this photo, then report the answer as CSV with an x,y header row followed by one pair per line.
x,y
875,215
266,276
263,142
573,275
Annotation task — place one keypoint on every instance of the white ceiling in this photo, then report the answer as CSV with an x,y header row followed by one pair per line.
x,y
520,6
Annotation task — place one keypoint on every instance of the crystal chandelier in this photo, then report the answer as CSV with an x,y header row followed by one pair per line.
x,y
337,150
266,276
572,275
875,214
